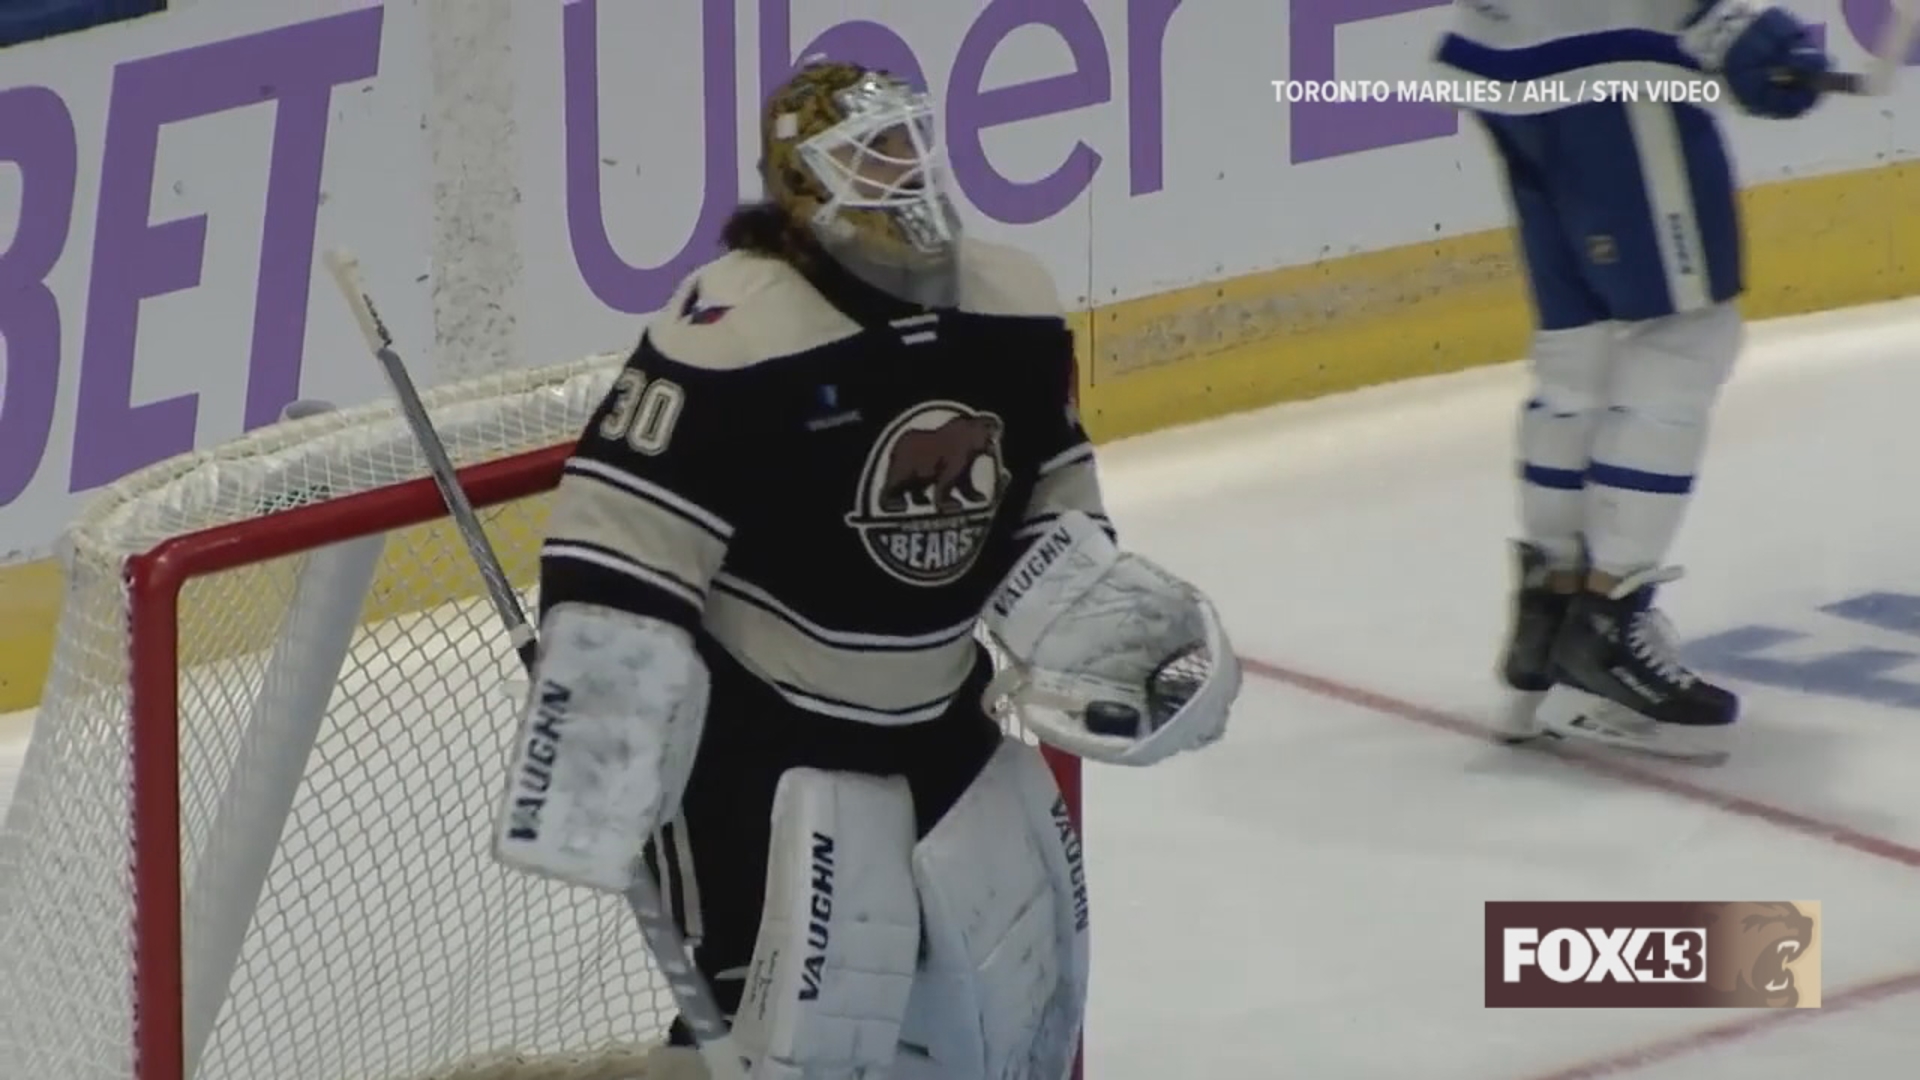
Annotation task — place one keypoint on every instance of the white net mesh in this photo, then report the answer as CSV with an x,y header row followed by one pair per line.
x,y
385,944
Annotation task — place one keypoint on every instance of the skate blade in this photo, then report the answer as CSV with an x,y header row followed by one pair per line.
x,y
1583,717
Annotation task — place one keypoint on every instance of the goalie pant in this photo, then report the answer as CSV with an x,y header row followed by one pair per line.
x,y
713,858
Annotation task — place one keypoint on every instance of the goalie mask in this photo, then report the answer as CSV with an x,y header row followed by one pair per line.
x,y
853,155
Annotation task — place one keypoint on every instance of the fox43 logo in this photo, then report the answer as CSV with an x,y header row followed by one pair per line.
x,y
1724,954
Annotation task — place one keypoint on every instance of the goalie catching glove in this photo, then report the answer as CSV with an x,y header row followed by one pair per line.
x,y
605,746
1109,656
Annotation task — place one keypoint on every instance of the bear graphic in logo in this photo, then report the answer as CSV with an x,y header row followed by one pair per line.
x,y
1753,946
929,491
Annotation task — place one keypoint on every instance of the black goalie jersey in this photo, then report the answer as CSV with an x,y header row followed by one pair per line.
x,y
826,484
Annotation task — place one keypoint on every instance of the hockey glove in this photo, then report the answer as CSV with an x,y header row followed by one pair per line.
x,y
1107,655
1766,55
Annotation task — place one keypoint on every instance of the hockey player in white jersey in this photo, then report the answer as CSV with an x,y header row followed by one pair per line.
x,y
1631,241
844,448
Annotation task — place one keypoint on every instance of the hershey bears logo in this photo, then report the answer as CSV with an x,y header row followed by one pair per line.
x,y
1754,948
928,493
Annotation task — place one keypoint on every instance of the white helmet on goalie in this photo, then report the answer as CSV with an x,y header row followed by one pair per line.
x,y
852,154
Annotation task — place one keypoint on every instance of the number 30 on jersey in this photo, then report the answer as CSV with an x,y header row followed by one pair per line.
x,y
643,412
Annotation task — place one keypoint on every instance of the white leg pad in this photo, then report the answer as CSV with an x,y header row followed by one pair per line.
x,y
839,940
1003,891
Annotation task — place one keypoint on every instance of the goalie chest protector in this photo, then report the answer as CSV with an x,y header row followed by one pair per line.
x,y
828,482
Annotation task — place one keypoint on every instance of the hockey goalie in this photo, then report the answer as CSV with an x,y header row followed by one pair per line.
x,y
846,453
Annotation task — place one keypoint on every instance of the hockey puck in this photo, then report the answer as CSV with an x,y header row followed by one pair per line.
x,y
1113,718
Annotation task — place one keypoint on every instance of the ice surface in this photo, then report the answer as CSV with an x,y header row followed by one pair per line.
x,y
1305,899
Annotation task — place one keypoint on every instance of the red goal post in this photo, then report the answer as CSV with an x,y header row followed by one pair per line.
x,y
249,839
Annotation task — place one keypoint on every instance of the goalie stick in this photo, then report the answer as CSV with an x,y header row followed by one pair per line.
x,y
690,991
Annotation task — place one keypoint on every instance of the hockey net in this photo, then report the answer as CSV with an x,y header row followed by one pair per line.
x,y
249,839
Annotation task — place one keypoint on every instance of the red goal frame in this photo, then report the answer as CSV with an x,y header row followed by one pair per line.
x,y
155,580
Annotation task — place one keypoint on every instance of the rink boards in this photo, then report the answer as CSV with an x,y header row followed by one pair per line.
x,y
1323,251
1290,334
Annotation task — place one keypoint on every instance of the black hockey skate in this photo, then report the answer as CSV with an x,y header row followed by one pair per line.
x,y
1538,613
1526,666
1619,678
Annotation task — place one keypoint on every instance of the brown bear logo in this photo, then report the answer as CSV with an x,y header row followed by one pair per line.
x,y
1752,946
930,491
932,468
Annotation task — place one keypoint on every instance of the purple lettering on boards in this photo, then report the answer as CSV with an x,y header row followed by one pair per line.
x,y
36,134
638,290
296,67
859,41
1147,22
970,110
1867,19
1323,129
